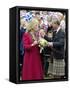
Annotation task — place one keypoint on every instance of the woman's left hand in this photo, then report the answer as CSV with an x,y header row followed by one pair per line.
x,y
35,42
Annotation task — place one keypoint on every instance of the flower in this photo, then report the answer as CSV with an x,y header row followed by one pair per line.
x,y
43,42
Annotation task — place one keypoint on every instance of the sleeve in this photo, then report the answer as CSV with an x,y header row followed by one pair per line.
x,y
60,42
25,41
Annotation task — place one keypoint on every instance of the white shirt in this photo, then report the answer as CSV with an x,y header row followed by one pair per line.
x,y
58,29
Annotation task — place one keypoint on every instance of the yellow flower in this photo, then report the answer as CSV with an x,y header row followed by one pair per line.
x,y
43,42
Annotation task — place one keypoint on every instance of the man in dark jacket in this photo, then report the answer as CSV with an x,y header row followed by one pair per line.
x,y
57,46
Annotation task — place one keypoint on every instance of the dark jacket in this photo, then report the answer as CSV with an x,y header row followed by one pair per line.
x,y
58,44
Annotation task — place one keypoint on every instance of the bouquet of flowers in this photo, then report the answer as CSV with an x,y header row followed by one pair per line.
x,y
42,43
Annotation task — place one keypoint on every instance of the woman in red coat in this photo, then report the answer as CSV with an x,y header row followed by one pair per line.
x,y
32,66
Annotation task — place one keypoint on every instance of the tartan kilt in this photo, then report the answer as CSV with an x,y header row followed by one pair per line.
x,y
50,68
58,67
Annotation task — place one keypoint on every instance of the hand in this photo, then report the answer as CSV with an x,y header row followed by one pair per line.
x,y
50,44
34,43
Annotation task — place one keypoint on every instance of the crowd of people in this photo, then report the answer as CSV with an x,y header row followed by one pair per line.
x,y
42,45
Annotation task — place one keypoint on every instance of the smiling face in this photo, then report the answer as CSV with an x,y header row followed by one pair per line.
x,y
41,33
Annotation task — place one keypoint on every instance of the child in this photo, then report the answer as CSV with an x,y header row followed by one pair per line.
x,y
43,50
42,41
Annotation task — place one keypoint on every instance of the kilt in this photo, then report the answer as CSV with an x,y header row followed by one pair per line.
x,y
58,67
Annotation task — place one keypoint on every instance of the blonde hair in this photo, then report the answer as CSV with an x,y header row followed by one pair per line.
x,y
31,25
42,30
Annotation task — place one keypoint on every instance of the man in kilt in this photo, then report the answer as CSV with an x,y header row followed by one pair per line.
x,y
57,46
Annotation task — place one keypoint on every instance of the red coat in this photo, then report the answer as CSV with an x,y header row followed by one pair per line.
x,y
32,66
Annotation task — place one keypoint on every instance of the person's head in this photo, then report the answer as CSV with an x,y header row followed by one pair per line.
x,y
55,24
33,25
37,15
23,23
44,12
60,16
41,32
